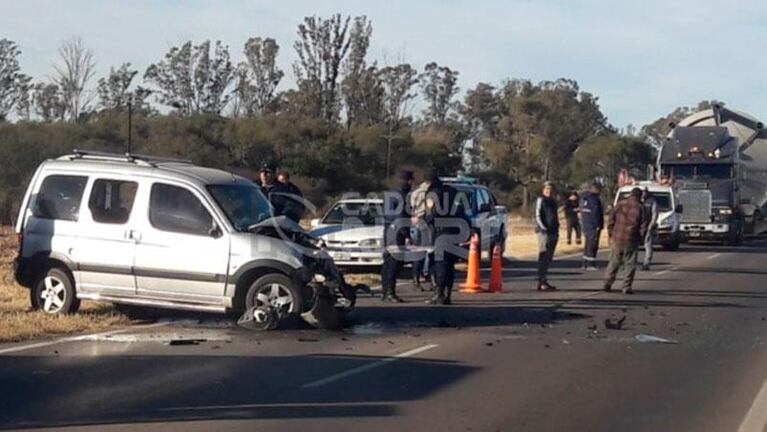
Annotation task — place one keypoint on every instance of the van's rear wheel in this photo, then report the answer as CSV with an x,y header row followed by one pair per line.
x,y
275,291
54,293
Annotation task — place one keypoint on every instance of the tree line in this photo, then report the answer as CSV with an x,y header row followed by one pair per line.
x,y
348,124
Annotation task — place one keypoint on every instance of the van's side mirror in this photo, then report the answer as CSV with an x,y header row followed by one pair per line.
x,y
679,208
215,231
314,223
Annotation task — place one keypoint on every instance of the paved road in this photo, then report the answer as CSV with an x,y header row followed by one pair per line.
x,y
517,361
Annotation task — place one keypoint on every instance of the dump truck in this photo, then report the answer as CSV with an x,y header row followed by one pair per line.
x,y
716,159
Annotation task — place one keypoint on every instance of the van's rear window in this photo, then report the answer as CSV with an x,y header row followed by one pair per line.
x,y
59,197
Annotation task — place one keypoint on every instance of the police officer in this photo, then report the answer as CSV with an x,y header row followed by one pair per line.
x,y
396,233
446,216
547,228
592,222
294,206
277,194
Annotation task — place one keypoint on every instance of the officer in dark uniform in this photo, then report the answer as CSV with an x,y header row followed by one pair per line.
x,y
396,233
592,222
277,193
446,216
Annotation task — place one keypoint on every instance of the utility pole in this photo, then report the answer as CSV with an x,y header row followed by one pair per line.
x,y
130,124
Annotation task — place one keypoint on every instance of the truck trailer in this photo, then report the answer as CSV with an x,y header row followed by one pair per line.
x,y
716,160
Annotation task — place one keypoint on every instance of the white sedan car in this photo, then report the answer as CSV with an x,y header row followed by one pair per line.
x,y
353,230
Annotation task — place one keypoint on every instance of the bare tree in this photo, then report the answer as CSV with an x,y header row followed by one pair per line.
x,y
12,82
361,87
73,76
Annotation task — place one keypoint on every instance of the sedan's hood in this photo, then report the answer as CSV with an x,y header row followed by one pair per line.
x,y
348,233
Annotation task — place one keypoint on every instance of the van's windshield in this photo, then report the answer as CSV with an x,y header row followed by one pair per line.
x,y
244,205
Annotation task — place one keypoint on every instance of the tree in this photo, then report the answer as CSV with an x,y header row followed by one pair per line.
x,y
321,49
114,93
48,102
191,80
481,112
397,82
604,156
439,86
361,87
13,84
73,76
258,77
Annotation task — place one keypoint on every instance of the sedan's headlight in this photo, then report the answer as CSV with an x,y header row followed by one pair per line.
x,y
725,211
371,242
666,222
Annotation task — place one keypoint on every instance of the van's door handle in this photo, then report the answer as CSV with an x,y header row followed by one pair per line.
x,y
133,235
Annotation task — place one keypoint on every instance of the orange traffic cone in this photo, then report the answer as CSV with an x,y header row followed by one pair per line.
x,y
496,272
472,272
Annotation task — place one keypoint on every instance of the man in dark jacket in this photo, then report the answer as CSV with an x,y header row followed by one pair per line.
x,y
627,227
446,217
592,222
294,206
547,228
572,208
272,189
396,211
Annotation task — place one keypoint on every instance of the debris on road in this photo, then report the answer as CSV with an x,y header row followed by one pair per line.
x,y
654,339
615,324
175,342
308,340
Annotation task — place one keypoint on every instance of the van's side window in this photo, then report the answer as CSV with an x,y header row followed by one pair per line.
x,y
172,208
59,197
111,201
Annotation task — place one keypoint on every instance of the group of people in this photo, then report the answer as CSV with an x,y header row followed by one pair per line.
x,y
630,224
432,217
286,198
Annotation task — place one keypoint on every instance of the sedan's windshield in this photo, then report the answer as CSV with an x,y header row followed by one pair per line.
x,y
364,213
244,205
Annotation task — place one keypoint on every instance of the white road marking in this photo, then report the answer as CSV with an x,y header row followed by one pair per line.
x,y
712,256
79,338
756,418
368,367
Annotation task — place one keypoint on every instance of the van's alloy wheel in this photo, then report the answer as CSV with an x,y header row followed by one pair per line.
x,y
55,293
275,291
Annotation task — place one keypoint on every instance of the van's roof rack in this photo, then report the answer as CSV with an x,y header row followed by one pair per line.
x,y
125,157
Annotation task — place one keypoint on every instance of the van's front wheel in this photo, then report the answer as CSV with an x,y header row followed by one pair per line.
x,y
275,291
54,293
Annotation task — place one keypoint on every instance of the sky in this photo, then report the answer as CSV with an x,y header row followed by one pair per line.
x,y
641,58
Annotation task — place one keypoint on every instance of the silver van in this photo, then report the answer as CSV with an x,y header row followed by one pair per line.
x,y
146,231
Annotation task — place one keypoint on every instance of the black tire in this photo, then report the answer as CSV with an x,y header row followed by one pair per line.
x,y
265,285
672,245
54,293
755,219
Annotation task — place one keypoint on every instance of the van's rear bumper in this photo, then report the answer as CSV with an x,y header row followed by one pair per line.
x,y
22,271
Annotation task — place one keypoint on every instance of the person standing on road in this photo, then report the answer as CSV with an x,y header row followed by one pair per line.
x,y
446,216
592,222
547,228
294,206
572,208
419,232
396,233
627,228
651,213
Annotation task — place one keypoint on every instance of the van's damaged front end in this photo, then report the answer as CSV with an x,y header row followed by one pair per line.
x,y
328,298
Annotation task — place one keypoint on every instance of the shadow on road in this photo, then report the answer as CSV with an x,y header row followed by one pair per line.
x,y
80,391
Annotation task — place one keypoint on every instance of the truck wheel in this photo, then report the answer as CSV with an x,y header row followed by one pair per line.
x,y
54,293
275,290
672,245
757,217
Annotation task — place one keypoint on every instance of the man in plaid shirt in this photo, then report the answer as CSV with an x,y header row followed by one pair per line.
x,y
627,227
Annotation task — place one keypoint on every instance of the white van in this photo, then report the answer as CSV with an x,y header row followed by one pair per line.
x,y
145,231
